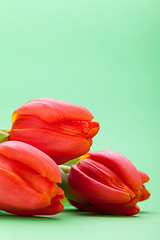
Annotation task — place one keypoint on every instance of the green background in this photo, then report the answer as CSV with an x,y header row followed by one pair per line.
x,y
100,54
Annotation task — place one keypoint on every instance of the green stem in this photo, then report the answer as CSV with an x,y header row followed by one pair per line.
x,y
65,168
4,135
64,185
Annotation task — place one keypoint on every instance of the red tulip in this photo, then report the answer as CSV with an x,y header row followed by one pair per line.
x,y
62,130
28,180
107,181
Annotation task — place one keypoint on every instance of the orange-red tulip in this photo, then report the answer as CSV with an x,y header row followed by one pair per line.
x,y
28,180
107,181
62,130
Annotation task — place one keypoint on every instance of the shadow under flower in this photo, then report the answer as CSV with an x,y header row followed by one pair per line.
x,y
78,212
5,215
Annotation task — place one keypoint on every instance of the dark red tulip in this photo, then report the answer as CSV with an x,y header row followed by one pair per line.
x,y
107,181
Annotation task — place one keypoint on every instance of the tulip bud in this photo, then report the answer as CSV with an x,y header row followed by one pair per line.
x,y
28,181
62,130
107,181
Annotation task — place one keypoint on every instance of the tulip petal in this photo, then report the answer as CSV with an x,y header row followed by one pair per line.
x,y
144,177
55,110
30,122
109,209
83,207
145,194
126,211
69,127
54,208
34,179
89,190
121,164
104,175
17,193
60,147
93,129
30,156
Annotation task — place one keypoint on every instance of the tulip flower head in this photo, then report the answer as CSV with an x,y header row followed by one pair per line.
x,y
28,181
62,130
107,181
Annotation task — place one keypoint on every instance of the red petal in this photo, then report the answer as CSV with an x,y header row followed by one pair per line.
x,y
89,190
83,207
145,194
30,122
54,208
104,175
94,128
109,209
17,193
83,128
68,127
144,177
55,110
126,211
121,165
34,179
46,166
61,147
